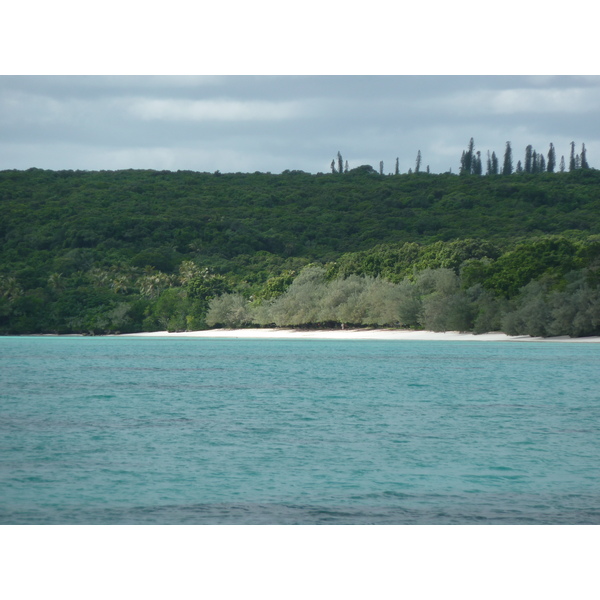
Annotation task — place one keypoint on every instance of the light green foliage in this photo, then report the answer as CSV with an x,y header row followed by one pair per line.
x,y
275,286
552,256
487,310
311,300
436,300
395,262
445,306
228,310
382,303
153,284
207,285
576,313
410,304
437,281
343,301
300,304
583,294
188,271
532,313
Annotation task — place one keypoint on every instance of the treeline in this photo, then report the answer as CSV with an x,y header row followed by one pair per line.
x,y
534,162
471,162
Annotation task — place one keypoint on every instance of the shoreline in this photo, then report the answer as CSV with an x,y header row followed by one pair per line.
x,y
359,334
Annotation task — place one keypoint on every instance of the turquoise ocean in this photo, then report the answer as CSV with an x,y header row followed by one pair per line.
x,y
143,430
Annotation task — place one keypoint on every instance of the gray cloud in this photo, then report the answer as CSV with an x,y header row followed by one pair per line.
x,y
272,123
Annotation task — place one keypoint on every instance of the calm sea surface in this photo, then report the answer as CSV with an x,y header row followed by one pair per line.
x,y
233,431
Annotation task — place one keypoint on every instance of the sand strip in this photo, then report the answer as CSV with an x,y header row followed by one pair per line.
x,y
360,334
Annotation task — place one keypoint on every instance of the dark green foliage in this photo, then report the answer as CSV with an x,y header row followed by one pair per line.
x,y
404,260
170,311
98,252
275,286
161,259
549,257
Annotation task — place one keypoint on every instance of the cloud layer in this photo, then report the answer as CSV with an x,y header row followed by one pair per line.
x,y
273,123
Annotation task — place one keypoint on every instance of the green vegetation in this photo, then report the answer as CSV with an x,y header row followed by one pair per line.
x,y
124,251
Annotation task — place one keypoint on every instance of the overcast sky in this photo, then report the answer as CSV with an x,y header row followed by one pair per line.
x,y
286,86
273,123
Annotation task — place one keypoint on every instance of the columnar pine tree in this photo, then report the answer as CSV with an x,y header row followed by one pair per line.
x,y
346,167
418,163
381,167
519,168
333,166
507,169
584,162
551,159
467,160
340,163
477,169
397,169
463,169
470,156
528,158
542,163
572,165
562,164
488,170
494,164
533,168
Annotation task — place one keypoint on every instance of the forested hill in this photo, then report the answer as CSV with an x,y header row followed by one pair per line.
x,y
76,245
123,213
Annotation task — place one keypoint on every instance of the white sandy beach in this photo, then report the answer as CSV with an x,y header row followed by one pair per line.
x,y
361,334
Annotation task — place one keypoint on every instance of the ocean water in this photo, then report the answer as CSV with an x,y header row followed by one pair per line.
x,y
118,430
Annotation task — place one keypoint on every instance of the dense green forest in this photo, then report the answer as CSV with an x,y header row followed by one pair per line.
x,y
123,251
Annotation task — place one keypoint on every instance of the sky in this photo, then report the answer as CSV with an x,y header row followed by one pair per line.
x,y
269,86
270,123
